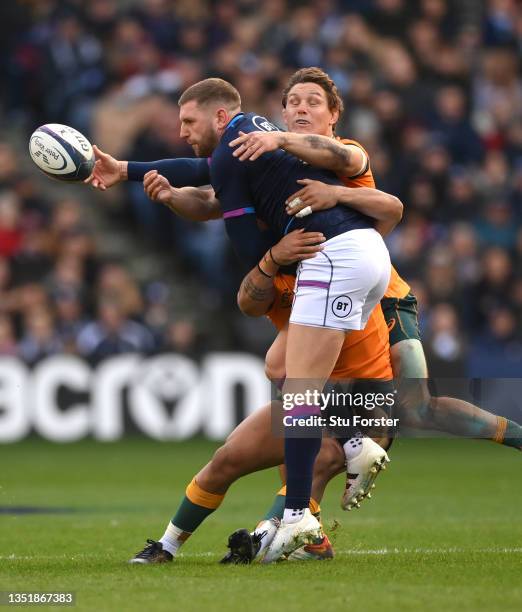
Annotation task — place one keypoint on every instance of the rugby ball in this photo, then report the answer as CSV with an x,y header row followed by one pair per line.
x,y
61,152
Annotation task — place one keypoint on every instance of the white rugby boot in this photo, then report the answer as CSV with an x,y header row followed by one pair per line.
x,y
314,552
361,472
291,536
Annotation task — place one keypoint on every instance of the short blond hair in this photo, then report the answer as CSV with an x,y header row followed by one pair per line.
x,y
210,91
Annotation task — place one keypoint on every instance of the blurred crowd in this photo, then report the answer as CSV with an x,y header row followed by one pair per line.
x,y
58,295
432,88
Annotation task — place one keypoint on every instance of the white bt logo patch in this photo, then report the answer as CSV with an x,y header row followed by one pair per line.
x,y
263,124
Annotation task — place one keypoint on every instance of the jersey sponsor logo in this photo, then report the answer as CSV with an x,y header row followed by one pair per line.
x,y
342,306
263,124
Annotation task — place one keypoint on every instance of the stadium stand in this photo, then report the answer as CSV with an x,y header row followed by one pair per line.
x,y
434,93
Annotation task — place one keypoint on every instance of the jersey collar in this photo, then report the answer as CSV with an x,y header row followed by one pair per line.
x,y
235,120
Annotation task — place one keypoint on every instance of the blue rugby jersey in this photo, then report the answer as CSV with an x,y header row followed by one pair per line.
x,y
247,190
260,188
180,172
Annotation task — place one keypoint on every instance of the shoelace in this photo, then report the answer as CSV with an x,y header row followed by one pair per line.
x,y
257,537
149,550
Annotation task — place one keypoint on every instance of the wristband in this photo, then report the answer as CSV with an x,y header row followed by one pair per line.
x,y
272,257
263,273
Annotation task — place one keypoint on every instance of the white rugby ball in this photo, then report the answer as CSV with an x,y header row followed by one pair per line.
x,y
61,152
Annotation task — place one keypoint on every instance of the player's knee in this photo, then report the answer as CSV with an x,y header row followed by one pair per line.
x,y
225,462
274,366
408,359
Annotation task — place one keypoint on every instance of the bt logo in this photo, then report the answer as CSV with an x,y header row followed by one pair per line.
x,y
342,306
263,124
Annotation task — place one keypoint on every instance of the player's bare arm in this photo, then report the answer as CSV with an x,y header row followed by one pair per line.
x,y
191,203
385,208
256,293
320,151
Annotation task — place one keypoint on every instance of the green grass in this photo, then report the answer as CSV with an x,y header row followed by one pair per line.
x,y
443,531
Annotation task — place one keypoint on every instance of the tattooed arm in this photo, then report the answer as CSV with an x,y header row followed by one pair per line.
x,y
321,151
326,152
257,291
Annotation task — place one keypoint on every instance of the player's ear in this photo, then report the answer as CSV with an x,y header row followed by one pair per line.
x,y
285,115
335,117
222,118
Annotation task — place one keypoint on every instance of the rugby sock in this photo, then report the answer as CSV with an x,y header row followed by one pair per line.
x,y
196,505
173,538
465,419
315,508
508,433
293,515
500,431
300,454
278,507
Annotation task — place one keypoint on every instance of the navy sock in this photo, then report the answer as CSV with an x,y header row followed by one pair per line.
x,y
300,454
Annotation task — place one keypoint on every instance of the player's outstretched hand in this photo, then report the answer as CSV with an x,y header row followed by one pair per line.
x,y
254,144
157,187
106,171
296,246
314,196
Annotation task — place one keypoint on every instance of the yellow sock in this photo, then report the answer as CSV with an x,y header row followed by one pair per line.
x,y
501,430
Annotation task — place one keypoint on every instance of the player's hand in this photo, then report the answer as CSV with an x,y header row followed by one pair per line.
x,y
106,171
296,246
157,187
254,144
313,197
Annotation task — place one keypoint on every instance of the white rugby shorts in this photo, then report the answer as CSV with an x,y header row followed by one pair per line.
x,y
341,285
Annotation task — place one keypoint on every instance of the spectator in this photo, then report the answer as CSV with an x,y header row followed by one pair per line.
x,y
497,352
10,231
74,72
113,333
70,317
40,339
182,337
497,226
444,346
7,337
116,284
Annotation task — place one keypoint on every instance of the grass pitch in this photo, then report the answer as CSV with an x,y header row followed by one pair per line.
x,y
443,531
